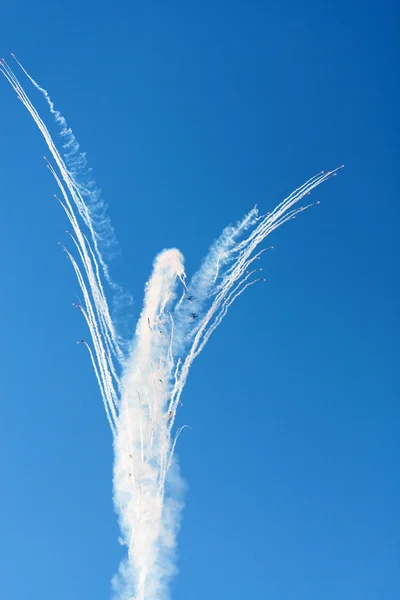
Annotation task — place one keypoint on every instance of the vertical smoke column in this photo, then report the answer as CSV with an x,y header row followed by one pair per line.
x,y
143,442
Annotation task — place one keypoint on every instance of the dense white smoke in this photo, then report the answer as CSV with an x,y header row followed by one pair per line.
x,y
142,388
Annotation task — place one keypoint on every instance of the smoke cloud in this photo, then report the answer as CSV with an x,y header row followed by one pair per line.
x,y
141,380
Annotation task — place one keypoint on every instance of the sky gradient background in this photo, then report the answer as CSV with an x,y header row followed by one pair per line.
x,y
190,113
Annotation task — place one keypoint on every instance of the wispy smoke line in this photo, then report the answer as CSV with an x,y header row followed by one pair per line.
x,y
142,390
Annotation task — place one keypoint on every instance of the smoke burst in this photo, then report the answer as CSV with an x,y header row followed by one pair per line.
x,y
142,387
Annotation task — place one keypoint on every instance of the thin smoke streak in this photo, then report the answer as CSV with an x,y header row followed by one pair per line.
x,y
174,327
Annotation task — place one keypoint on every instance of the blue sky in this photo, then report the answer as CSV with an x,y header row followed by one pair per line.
x,y
190,113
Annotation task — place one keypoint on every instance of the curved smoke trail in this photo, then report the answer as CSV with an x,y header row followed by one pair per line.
x,y
176,323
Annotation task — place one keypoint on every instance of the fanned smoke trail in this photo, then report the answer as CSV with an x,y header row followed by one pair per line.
x,y
176,323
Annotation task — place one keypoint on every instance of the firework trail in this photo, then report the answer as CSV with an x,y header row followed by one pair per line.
x,y
141,389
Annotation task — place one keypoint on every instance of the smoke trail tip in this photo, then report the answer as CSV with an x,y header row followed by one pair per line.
x,y
334,171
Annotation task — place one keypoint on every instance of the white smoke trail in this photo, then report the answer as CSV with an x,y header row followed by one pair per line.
x,y
75,191
103,332
91,208
143,441
176,323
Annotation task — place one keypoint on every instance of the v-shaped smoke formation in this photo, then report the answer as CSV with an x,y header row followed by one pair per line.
x,y
141,389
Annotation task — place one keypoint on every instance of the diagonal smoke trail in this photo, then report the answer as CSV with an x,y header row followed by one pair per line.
x,y
141,392
74,190
91,208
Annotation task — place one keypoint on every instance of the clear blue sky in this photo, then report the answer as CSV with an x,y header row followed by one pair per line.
x,y
190,113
